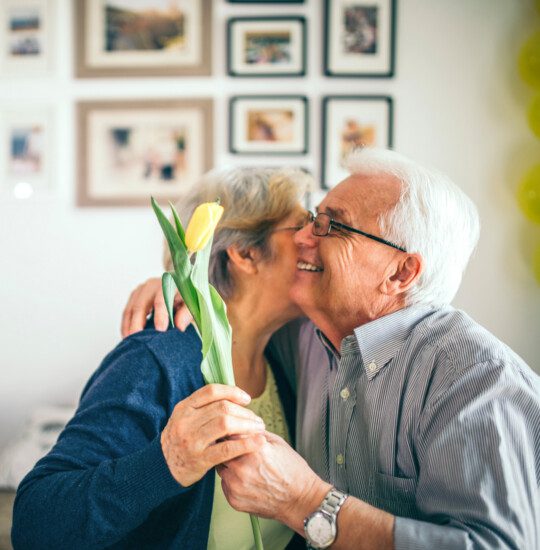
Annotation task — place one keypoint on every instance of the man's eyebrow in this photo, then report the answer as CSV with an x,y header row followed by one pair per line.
x,y
336,213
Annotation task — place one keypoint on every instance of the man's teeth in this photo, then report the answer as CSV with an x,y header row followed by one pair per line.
x,y
304,266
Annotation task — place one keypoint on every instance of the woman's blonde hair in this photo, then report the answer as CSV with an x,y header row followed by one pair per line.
x,y
254,201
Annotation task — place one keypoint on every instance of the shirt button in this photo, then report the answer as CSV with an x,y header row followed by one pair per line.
x,y
372,367
340,459
345,393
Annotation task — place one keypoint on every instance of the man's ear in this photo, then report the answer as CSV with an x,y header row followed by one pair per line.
x,y
245,259
405,275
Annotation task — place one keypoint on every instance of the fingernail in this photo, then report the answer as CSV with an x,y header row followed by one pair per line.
x,y
245,397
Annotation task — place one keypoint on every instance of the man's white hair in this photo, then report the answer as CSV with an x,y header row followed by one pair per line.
x,y
433,217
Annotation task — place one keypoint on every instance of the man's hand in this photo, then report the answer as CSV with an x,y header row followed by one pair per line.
x,y
148,297
274,482
192,441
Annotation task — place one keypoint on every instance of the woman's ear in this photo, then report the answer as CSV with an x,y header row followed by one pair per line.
x,y
404,275
245,259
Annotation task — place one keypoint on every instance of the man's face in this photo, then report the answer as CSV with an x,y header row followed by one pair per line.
x,y
338,277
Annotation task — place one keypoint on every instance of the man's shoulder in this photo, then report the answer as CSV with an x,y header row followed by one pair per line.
x,y
455,348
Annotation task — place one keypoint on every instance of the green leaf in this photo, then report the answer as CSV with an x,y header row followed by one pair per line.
x,y
169,290
181,262
177,248
178,223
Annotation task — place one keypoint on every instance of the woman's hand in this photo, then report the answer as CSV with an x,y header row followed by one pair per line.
x,y
147,297
193,439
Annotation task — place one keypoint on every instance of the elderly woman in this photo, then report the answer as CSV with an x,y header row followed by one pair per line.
x,y
134,468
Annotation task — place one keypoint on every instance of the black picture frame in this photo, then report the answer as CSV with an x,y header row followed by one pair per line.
x,y
243,112
237,28
370,53
367,119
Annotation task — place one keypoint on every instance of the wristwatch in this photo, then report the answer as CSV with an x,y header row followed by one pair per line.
x,y
320,527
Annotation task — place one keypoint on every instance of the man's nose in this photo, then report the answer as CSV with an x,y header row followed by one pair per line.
x,y
304,237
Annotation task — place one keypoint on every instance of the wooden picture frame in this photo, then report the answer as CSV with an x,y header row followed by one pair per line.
x,y
266,46
359,38
109,42
131,150
268,125
350,122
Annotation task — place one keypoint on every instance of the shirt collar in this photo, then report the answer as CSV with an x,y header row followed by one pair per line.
x,y
380,340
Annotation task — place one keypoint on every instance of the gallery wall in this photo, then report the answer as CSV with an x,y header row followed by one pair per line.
x,y
66,272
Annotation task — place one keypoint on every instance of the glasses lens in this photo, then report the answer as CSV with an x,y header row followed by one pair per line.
x,y
320,225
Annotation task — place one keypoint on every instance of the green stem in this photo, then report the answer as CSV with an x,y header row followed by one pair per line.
x,y
256,531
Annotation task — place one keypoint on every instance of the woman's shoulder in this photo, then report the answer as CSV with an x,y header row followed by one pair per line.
x,y
150,357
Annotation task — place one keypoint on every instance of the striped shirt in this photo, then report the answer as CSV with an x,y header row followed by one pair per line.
x,y
425,414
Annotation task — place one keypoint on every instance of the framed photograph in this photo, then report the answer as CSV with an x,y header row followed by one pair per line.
x,y
142,37
26,151
360,38
266,46
350,122
269,125
131,150
266,1
25,37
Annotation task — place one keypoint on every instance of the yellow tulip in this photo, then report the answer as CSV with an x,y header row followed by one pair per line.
x,y
202,225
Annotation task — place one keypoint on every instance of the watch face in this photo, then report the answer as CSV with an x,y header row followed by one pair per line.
x,y
320,530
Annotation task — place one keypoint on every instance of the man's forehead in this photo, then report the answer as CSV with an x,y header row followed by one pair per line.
x,y
358,191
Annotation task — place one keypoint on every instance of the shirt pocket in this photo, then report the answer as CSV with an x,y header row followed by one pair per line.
x,y
396,495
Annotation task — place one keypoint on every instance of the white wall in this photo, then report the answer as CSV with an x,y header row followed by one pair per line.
x,y
459,105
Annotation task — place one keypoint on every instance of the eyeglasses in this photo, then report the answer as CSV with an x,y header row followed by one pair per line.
x,y
323,223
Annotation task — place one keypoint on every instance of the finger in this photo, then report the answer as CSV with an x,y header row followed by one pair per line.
x,y
138,318
232,448
161,315
126,314
225,426
217,392
182,317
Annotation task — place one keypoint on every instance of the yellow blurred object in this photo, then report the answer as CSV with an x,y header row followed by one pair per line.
x,y
202,225
529,194
536,263
533,115
529,60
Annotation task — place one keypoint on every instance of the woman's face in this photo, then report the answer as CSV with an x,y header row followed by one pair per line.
x,y
278,270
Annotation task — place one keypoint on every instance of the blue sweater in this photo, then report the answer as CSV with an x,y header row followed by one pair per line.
x,y
106,483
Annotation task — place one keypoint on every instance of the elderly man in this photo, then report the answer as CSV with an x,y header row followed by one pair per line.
x,y
421,429
417,428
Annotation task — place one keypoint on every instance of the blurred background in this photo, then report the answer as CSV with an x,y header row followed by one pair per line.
x,y
66,269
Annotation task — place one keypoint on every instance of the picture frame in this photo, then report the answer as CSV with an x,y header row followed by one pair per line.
x,y
266,1
268,125
26,151
349,122
359,38
173,42
266,46
26,37
131,150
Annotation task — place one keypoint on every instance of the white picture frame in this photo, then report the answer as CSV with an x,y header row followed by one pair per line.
x,y
26,151
26,37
